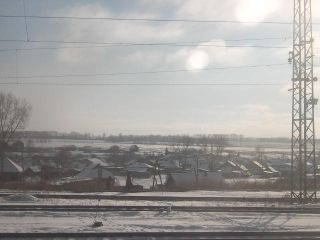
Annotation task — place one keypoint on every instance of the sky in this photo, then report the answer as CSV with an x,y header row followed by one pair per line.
x,y
257,111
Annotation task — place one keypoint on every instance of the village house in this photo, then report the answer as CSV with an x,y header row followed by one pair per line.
x,y
194,179
138,169
9,170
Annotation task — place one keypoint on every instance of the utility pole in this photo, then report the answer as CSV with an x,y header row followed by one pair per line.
x,y
303,162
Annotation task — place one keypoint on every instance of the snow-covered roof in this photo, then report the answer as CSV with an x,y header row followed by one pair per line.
x,y
35,168
10,166
169,164
92,172
258,164
97,161
139,167
243,168
272,169
232,163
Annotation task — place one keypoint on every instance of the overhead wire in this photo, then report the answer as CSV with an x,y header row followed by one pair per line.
x,y
149,19
105,44
25,20
206,43
140,84
141,72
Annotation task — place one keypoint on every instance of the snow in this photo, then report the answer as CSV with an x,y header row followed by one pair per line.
x,y
20,198
103,202
92,172
139,167
10,166
195,193
155,221
97,161
120,221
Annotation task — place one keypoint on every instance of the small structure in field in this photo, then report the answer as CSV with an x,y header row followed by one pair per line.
x,y
138,169
194,179
94,177
32,174
96,170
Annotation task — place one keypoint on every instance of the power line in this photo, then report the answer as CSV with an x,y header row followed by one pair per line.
x,y
25,20
184,42
130,44
148,19
140,84
142,72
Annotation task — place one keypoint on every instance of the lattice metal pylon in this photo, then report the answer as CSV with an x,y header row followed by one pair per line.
x,y
303,162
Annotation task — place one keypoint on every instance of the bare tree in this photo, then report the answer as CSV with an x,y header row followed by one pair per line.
x,y
14,113
220,142
259,151
204,141
186,142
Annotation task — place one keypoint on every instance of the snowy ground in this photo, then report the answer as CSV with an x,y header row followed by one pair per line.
x,y
155,221
89,202
120,221
197,193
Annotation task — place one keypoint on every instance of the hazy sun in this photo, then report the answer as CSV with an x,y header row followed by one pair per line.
x,y
197,60
255,10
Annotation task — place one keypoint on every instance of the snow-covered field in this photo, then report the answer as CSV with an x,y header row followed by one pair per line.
x,y
243,147
155,221
88,202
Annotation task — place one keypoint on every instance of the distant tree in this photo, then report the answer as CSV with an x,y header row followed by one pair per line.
x,y
219,142
186,142
114,149
259,151
62,159
17,146
14,114
134,149
204,141
29,146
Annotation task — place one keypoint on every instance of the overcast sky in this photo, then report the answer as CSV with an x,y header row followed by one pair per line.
x,y
260,111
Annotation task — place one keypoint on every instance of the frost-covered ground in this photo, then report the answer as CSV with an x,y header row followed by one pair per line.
x,y
155,221
120,221
197,193
89,202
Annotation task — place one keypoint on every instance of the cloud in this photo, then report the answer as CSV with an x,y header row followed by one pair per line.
x,y
255,11
165,109
216,55
206,9
254,120
110,31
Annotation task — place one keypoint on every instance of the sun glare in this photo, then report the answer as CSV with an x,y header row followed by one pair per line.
x,y
197,60
254,10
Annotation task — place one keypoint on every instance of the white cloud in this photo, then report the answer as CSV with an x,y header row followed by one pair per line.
x,y
254,120
255,11
200,56
109,31
205,9
197,60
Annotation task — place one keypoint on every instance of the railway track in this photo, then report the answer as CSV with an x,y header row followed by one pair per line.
x,y
158,198
167,235
99,208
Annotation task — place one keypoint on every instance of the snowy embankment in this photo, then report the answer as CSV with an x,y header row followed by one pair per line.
x,y
196,193
132,221
155,221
